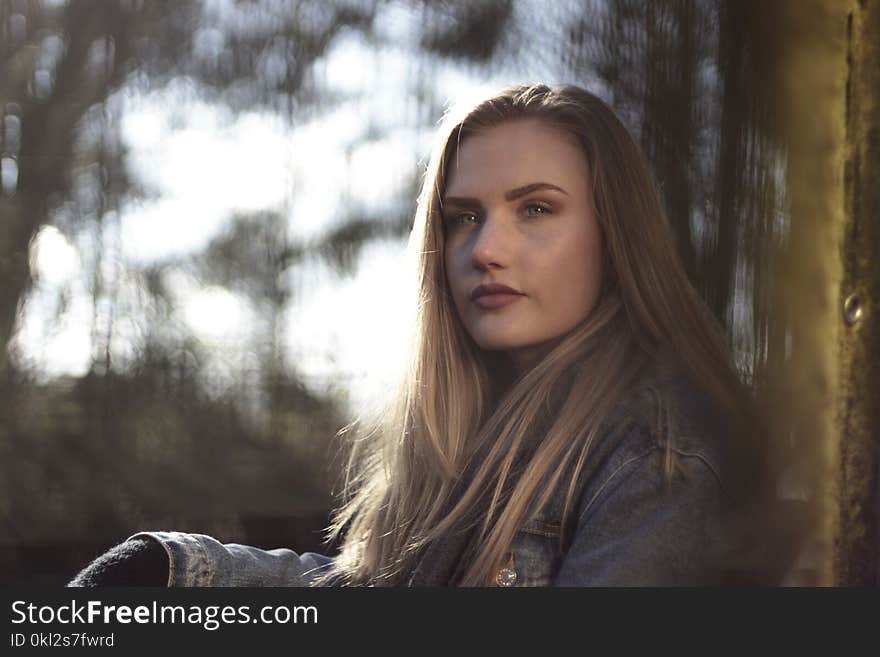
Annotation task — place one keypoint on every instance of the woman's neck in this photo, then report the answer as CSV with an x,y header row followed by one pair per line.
x,y
525,358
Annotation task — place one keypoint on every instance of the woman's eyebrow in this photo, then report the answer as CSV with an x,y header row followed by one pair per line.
x,y
460,202
511,195
514,194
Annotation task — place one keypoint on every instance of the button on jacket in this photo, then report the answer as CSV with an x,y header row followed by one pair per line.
x,y
630,527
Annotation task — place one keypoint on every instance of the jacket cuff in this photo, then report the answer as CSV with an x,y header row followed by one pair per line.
x,y
201,560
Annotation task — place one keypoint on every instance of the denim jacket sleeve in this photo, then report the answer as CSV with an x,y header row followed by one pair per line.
x,y
200,560
634,530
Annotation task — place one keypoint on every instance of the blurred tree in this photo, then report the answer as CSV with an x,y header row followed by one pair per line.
x,y
131,441
58,62
466,31
62,63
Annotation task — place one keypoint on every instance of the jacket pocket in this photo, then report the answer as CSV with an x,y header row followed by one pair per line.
x,y
533,557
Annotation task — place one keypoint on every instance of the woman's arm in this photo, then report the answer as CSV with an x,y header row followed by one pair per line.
x,y
177,559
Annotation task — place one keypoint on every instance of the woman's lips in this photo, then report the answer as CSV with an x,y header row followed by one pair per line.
x,y
497,300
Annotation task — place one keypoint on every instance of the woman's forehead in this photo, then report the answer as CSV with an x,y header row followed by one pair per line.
x,y
514,154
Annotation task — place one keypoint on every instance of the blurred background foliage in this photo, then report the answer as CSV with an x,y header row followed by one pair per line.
x,y
159,426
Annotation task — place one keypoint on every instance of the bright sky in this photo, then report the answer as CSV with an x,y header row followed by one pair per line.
x,y
201,163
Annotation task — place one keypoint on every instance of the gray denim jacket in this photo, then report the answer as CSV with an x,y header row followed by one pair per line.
x,y
631,529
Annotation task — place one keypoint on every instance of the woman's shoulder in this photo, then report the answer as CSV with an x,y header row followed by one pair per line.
x,y
677,414
628,458
658,419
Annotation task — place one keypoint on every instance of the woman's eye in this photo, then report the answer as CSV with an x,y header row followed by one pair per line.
x,y
536,209
464,218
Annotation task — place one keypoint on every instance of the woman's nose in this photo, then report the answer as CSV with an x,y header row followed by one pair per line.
x,y
491,247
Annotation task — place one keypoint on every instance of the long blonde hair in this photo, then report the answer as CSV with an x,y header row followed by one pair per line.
x,y
458,407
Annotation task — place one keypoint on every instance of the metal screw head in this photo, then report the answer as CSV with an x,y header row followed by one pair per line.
x,y
852,309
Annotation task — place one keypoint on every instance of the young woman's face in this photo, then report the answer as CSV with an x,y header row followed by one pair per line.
x,y
518,213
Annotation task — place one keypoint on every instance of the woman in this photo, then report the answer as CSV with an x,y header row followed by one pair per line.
x,y
570,414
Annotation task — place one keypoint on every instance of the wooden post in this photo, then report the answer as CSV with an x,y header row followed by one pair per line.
x,y
858,417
